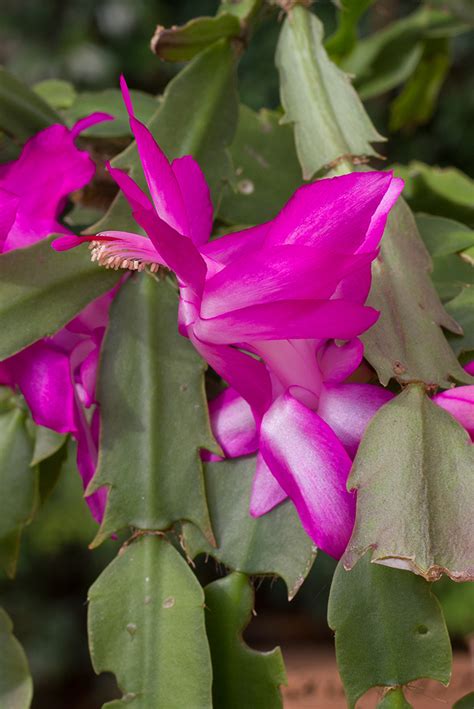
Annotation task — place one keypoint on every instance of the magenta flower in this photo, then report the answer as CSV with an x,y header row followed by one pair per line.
x,y
34,188
459,402
57,374
263,307
308,436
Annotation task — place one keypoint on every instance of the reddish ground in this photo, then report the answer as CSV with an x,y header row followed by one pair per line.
x,y
313,683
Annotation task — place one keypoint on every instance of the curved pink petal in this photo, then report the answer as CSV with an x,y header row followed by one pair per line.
x,y
348,409
49,168
348,212
337,362
196,197
248,376
459,402
312,467
43,375
91,120
188,309
86,376
26,231
292,363
470,368
233,424
356,286
177,251
283,272
379,217
87,437
69,241
288,319
162,183
267,492
134,195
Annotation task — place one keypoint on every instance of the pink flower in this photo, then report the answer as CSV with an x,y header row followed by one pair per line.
x,y
459,402
263,307
34,188
308,436
57,374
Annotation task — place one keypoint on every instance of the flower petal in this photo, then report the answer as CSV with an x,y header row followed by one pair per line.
x,y
337,362
282,272
348,409
288,319
356,286
459,402
134,195
312,467
91,120
49,168
69,241
87,437
267,492
43,375
248,376
233,424
196,196
292,363
379,218
177,251
86,376
162,183
348,211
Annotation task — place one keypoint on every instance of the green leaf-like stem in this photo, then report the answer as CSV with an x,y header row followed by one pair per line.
x,y
254,546
146,625
16,685
153,415
242,677
389,629
41,290
415,490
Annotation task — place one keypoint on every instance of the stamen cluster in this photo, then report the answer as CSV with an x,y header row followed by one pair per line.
x,y
111,255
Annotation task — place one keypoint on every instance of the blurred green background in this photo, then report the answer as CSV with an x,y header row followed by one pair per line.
x,y
90,43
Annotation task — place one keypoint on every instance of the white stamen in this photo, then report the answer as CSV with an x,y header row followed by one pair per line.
x,y
116,254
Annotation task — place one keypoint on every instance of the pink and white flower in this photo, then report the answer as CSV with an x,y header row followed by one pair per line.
x,y
264,308
57,374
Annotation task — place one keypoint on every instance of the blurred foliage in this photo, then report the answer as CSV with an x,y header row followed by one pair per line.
x,y
47,600
89,43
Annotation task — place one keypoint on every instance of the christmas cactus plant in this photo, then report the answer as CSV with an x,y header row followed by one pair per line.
x,y
246,351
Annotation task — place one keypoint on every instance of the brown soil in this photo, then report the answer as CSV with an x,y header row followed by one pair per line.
x,y
314,683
